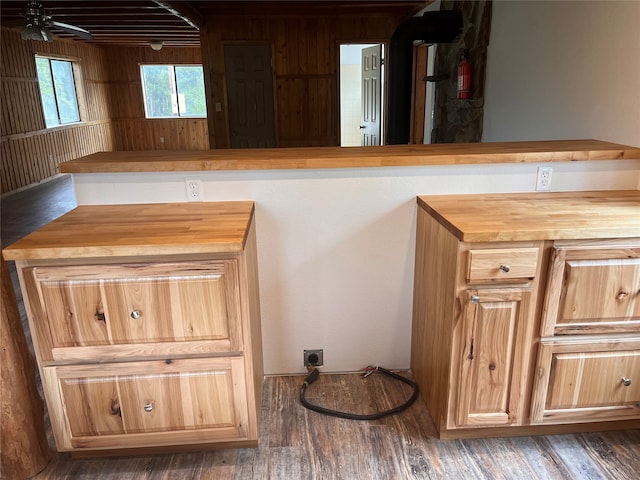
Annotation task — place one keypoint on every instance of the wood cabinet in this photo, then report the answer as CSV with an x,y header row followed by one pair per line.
x,y
526,312
146,340
589,358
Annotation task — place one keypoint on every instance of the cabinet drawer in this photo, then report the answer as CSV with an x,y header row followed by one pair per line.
x,y
100,305
618,282
502,265
592,295
126,404
587,382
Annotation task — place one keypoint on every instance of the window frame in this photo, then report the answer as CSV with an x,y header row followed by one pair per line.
x,y
174,96
75,77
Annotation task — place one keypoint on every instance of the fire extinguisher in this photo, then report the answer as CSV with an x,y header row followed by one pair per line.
x,y
465,77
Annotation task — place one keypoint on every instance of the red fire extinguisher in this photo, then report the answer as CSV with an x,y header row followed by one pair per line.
x,y
465,77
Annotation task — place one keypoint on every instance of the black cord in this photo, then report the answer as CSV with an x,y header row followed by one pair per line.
x,y
315,373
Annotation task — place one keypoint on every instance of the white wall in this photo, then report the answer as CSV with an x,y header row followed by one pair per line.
x,y
562,70
350,104
336,247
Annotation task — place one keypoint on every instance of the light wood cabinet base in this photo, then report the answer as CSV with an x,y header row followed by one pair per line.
x,y
523,324
147,338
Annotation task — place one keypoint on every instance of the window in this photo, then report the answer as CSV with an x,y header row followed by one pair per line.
x,y
58,91
173,91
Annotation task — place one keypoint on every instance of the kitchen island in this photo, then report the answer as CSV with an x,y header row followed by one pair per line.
x,y
336,226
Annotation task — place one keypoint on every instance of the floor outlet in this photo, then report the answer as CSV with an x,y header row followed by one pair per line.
x,y
543,180
194,189
314,358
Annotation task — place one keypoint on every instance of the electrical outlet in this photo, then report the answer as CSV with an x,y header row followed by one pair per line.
x,y
313,357
194,189
543,180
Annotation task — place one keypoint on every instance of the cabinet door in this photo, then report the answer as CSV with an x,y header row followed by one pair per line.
x,y
488,392
590,293
587,382
96,305
150,403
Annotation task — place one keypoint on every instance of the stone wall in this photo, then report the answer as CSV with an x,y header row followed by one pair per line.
x,y
457,121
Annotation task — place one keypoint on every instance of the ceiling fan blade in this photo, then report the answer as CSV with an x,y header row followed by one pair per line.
x,y
80,32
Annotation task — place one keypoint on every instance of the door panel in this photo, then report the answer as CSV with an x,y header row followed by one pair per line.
x,y
249,80
491,321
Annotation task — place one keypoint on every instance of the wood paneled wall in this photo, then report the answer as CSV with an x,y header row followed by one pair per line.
x,y
306,91
306,56
132,131
110,98
30,152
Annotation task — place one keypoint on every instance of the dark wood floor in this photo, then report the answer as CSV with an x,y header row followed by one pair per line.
x,y
296,443
29,209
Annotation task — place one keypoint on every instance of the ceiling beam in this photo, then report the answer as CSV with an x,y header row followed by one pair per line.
x,y
184,10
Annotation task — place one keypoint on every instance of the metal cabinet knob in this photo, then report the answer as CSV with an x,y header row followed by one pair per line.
x,y
148,407
136,314
626,381
475,299
505,268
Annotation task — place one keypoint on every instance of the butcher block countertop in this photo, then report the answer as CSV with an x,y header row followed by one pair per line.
x,y
537,216
147,229
349,157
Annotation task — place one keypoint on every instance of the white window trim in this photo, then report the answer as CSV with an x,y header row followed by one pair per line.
x,y
174,97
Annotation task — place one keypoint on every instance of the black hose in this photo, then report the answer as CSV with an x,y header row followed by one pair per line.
x,y
313,376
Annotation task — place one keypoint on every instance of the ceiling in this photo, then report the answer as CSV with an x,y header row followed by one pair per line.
x,y
177,23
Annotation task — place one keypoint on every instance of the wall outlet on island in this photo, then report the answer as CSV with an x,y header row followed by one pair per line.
x,y
193,187
543,179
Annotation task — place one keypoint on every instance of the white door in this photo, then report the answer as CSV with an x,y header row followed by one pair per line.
x,y
370,126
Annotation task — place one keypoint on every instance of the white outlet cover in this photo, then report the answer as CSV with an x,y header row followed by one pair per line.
x,y
193,187
543,179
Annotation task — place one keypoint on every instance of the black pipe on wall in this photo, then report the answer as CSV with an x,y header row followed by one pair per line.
x,y
433,27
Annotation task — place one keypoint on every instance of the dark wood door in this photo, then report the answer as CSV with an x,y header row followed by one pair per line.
x,y
250,95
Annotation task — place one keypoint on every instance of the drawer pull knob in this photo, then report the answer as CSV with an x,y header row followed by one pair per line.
x,y
136,314
148,407
505,268
475,299
626,381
